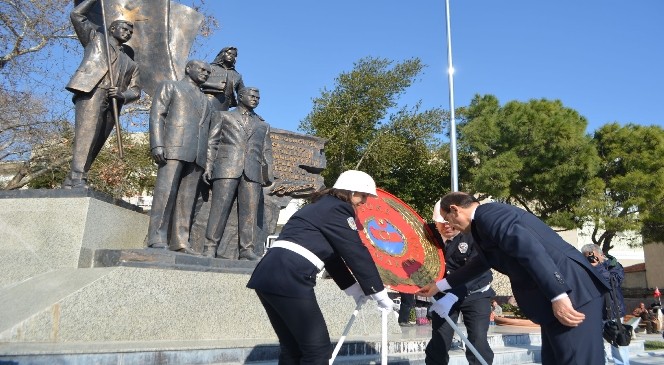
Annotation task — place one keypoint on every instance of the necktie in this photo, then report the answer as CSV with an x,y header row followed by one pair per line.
x,y
447,245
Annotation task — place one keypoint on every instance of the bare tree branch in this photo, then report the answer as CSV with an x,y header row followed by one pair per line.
x,y
23,176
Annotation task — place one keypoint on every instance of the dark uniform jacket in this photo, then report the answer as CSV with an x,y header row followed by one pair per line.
x,y
180,122
458,251
93,70
327,229
539,263
238,148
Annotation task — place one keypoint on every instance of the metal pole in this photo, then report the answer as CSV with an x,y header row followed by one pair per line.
x,y
345,333
450,78
114,101
465,340
383,346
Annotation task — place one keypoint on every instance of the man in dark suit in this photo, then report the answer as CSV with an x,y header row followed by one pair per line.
x,y
179,131
92,89
239,163
473,298
552,281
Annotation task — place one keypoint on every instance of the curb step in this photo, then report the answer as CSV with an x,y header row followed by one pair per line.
x,y
523,349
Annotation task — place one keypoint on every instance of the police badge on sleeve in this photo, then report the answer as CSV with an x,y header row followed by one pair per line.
x,y
351,223
463,247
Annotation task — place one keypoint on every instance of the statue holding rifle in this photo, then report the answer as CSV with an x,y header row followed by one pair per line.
x,y
99,90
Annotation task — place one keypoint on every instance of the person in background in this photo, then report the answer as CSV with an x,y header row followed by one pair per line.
x,y
610,269
322,234
474,304
496,311
407,303
647,317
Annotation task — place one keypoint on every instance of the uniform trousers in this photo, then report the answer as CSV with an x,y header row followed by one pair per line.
x,y
581,345
407,303
476,313
300,327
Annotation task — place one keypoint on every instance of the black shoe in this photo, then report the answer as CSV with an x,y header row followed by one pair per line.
x,y
248,255
406,324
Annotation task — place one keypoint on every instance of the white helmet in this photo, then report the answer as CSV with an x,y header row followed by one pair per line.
x,y
357,181
436,213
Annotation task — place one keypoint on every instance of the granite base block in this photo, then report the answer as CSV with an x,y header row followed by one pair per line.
x,y
150,304
52,229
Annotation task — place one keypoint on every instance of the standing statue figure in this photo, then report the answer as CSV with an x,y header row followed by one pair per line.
x,y
221,89
224,81
179,130
239,163
92,89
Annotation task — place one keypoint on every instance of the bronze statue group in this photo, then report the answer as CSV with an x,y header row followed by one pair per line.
x,y
196,141
200,143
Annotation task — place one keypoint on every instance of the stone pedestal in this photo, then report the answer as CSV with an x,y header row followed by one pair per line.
x,y
126,304
75,270
44,230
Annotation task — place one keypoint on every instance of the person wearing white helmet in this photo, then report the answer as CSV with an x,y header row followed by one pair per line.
x,y
473,300
322,234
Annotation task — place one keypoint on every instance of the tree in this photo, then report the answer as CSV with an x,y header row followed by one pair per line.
x,y
629,189
30,27
31,30
25,124
535,154
133,175
367,130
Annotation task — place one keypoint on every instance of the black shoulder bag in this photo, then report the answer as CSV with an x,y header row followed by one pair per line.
x,y
614,331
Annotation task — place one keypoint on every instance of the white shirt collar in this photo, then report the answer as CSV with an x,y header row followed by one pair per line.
x,y
472,215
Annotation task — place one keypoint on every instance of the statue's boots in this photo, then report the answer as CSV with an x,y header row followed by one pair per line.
x,y
187,250
210,251
76,180
248,254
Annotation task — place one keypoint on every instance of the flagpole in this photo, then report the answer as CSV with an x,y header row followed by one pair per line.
x,y
450,79
114,101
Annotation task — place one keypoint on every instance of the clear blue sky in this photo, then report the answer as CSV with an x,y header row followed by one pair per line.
x,y
602,58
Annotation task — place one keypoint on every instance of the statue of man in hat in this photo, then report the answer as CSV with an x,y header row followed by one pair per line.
x,y
94,85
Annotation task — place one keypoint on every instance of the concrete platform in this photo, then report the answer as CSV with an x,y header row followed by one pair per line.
x,y
511,346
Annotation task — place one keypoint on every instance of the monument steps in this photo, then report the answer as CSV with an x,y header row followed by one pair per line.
x,y
354,352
